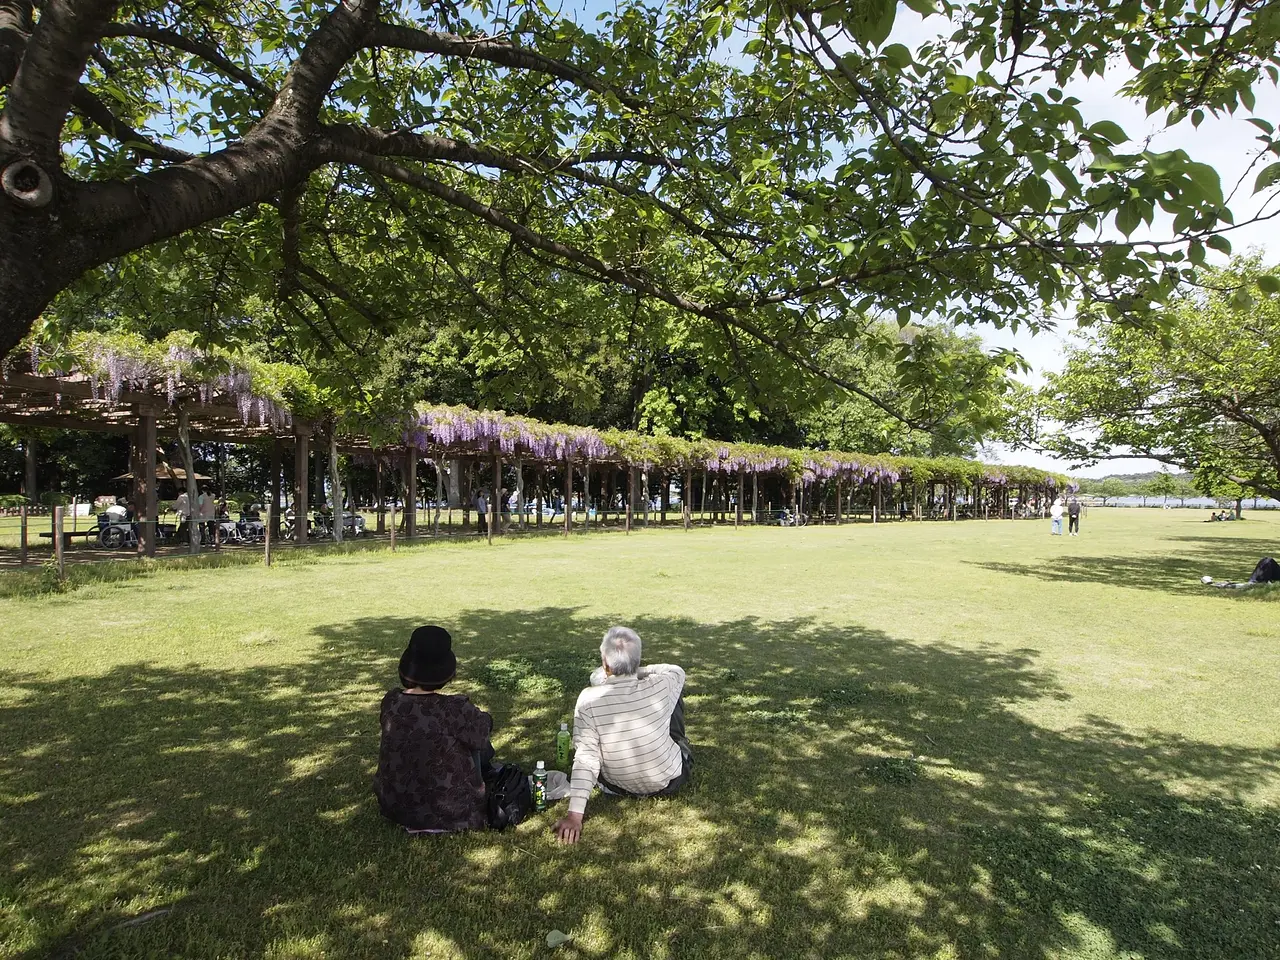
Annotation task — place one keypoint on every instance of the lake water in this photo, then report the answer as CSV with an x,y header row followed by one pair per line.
x,y
1199,503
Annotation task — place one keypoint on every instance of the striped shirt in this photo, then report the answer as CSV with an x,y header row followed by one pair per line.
x,y
622,732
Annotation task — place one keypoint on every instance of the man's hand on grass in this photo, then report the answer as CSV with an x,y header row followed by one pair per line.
x,y
569,828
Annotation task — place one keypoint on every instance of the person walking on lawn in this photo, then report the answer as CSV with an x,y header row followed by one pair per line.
x,y
628,730
1073,517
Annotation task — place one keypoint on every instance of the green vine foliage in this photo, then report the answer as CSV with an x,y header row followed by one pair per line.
x,y
114,360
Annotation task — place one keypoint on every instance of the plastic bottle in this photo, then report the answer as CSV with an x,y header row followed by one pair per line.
x,y
564,747
540,787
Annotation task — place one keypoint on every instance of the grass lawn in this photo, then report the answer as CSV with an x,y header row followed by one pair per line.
x,y
930,740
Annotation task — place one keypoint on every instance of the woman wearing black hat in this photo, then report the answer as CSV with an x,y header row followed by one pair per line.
x,y
434,745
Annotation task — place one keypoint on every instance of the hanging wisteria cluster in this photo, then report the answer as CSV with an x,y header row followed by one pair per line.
x,y
462,431
113,365
484,430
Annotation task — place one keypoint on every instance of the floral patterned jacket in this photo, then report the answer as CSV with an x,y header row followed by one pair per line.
x,y
428,762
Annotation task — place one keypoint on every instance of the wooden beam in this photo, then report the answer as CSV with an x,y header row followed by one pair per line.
x,y
520,505
494,494
301,464
149,504
568,496
411,497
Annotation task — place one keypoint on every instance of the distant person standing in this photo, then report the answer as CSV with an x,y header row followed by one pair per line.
x,y
482,511
1073,517
182,507
1055,514
206,513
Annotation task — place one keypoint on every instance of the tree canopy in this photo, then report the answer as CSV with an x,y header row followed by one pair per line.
x,y
1202,392
748,182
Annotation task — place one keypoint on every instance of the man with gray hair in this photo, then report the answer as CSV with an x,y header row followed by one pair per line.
x,y
628,730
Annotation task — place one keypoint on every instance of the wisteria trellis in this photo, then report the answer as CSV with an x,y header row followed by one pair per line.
x,y
111,366
462,430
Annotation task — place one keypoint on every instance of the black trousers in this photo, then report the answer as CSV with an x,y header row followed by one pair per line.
x,y
1073,523
686,760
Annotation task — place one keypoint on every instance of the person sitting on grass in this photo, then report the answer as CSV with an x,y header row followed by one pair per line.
x,y
435,746
628,730
1267,570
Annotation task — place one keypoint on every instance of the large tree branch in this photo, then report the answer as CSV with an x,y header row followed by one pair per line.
x,y
48,75
15,28
598,268
402,143
90,106
335,41
197,48
495,51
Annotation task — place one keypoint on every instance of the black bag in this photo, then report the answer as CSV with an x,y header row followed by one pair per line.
x,y
508,794
1267,571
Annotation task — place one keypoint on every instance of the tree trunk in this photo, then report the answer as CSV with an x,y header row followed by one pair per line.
x,y
335,483
189,465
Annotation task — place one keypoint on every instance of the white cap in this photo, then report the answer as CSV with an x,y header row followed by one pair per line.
x,y
564,726
541,765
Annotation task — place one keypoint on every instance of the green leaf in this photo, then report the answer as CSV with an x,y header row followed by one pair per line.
x,y
1109,131
925,8
898,55
1269,283
1206,178
1267,177
1220,243
1262,125
909,239
959,83
1128,217
1242,298
1036,193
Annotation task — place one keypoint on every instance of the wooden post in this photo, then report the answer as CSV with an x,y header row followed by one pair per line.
x,y
148,505
57,541
336,482
22,535
568,496
494,495
644,489
394,498
520,504
301,462
441,492
839,500
266,538
29,486
631,497
586,497
381,499
686,499
274,511
542,473
737,517
411,496
702,514
189,465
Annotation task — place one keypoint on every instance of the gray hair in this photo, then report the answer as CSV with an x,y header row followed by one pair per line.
x,y
621,651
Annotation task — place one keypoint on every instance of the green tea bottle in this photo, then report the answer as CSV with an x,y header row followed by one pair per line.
x,y
564,747
540,787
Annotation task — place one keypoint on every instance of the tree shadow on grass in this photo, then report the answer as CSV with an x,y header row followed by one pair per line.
x,y
854,795
1179,571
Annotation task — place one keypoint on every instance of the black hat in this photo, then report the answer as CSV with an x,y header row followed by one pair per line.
x,y
428,661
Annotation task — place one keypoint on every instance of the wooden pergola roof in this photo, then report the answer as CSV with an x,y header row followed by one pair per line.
x,y
71,403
